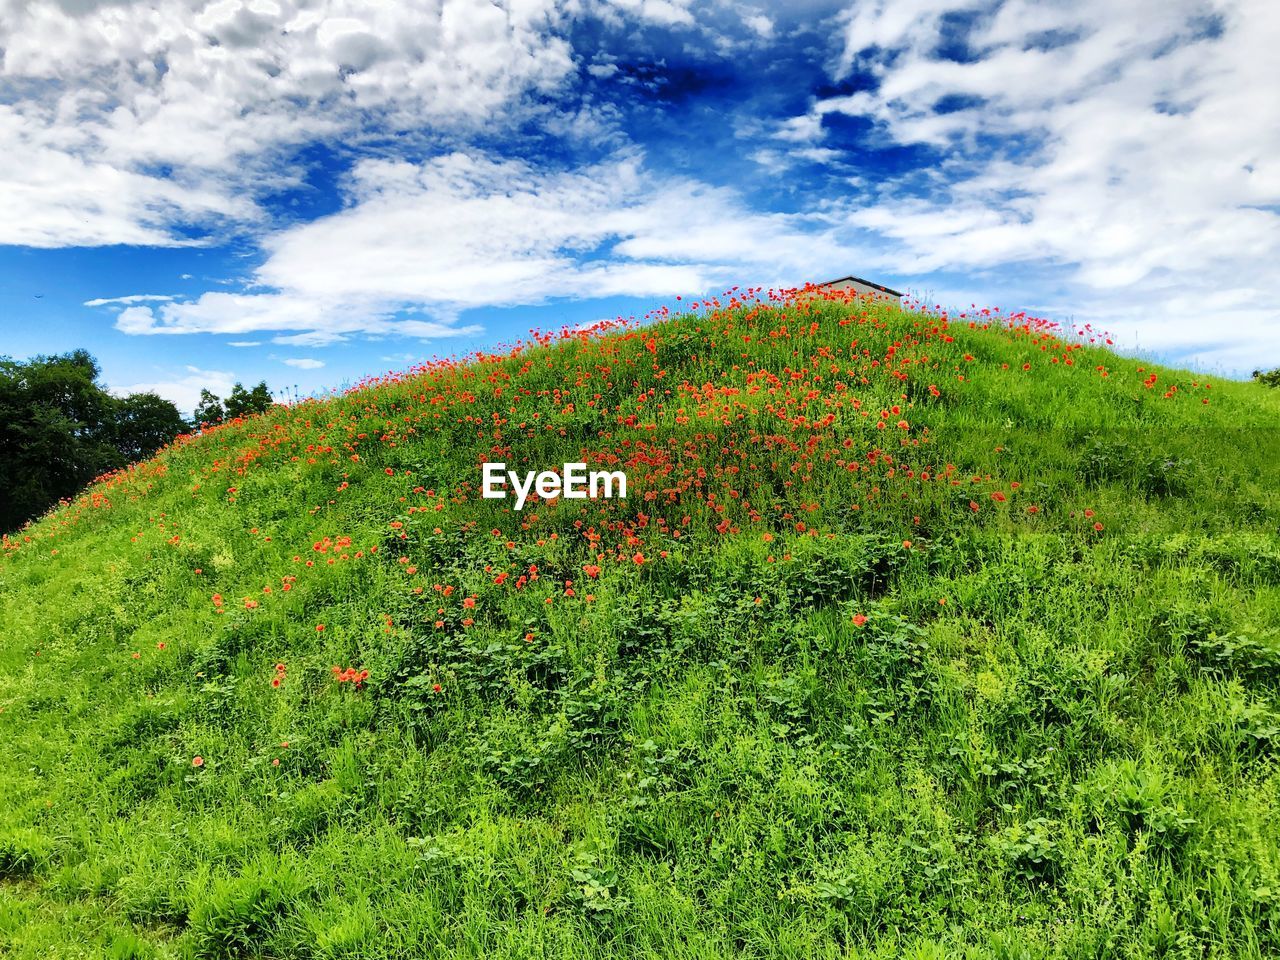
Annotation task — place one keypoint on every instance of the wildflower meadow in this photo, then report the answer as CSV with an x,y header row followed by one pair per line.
x,y
918,634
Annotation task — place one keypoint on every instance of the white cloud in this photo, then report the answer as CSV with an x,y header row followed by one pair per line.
x,y
516,235
103,96
304,363
319,321
1132,149
182,390
244,343
132,298
1133,146
128,122
761,24
667,13
55,191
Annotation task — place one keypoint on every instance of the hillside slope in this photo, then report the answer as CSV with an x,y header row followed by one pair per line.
x,y
914,635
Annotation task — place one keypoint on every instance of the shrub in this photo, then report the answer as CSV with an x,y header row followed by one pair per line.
x,y
1269,378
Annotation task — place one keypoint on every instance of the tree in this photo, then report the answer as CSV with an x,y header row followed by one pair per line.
x,y
239,403
209,409
242,402
59,428
55,432
1270,378
144,423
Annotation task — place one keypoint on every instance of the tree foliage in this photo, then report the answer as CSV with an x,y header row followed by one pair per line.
x,y
241,402
209,409
59,428
144,423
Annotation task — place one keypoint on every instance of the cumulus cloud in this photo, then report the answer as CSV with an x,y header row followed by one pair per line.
x,y
761,24
463,231
55,191
166,121
1123,158
183,390
661,12
139,123
319,320
304,363
131,298
1133,146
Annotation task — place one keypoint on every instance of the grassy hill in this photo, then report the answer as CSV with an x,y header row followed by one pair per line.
x,y
916,636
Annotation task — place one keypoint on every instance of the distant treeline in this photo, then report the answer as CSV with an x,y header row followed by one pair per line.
x,y
60,428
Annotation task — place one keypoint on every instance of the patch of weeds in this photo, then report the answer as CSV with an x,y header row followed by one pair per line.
x,y
1031,849
592,711
895,662
1153,474
1252,728
524,762
1143,801
21,851
1010,781
792,699
644,630
236,916
594,892
1245,653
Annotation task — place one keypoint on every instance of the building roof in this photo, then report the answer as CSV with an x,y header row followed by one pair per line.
x,y
867,283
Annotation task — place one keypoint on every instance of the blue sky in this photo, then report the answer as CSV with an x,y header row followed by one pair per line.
x,y
310,192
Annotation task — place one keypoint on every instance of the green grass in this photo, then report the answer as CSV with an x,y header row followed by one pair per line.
x,y
1044,740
